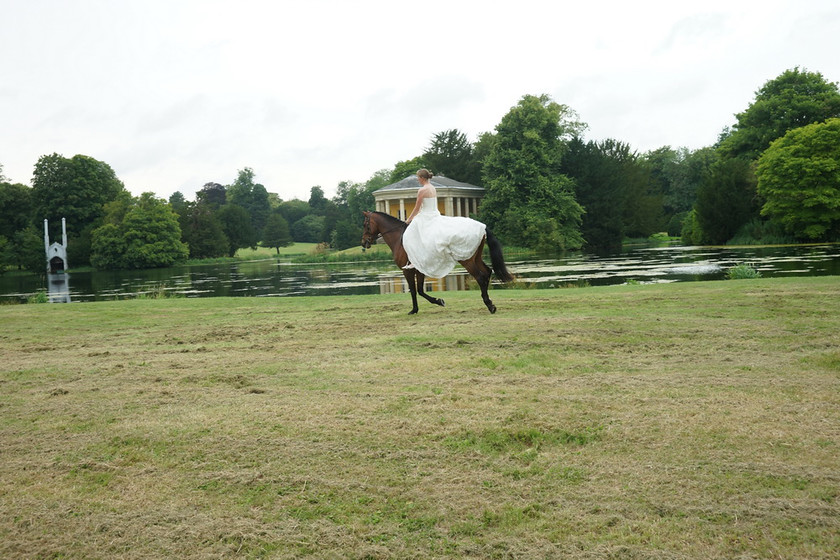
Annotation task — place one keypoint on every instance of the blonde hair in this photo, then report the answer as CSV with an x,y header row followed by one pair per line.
x,y
425,174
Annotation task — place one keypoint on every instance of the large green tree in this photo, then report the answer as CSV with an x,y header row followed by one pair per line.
x,y
141,232
528,200
799,179
76,189
793,99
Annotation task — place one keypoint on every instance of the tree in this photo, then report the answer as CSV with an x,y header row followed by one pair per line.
x,y
293,210
676,174
213,194
76,189
26,250
792,100
451,154
178,202
799,177
691,233
142,234
252,197
726,200
408,168
378,180
236,223
643,200
598,189
15,208
528,200
317,201
481,150
202,231
276,232
308,229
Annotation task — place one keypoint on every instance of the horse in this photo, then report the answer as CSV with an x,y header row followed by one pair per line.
x,y
391,229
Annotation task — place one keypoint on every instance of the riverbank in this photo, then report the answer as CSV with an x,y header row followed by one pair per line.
x,y
689,420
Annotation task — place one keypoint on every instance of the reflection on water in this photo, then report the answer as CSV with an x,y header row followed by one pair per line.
x,y
397,284
269,278
58,288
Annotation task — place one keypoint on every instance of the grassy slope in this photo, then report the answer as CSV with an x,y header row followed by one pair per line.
x,y
668,421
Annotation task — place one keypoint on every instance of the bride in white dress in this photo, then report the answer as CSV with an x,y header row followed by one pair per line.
x,y
435,243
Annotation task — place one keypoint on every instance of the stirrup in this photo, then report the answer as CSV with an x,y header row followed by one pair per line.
x,y
409,266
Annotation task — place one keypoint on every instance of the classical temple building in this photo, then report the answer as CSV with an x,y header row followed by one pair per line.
x,y
454,198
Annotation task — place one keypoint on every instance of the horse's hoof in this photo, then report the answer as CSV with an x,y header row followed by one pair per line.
x,y
412,312
492,308
441,303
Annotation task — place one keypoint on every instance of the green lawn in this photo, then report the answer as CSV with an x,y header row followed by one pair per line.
x,y
690,420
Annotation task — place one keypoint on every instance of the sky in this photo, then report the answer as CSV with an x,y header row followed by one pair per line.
x,y
174,94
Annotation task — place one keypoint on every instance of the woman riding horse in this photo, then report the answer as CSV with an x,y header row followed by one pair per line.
x,y
431,244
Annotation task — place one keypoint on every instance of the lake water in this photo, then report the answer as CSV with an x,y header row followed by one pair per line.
x,y
269,278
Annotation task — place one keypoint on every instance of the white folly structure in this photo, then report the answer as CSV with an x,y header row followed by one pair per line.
x,y
454,198
57,252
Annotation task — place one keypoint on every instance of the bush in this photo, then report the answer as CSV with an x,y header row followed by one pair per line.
x,y
692,234
38,297
742,272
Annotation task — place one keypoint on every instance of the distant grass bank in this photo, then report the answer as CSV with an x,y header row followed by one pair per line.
x,y
688,420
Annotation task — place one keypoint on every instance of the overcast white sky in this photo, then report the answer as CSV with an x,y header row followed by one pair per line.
x,y
173,94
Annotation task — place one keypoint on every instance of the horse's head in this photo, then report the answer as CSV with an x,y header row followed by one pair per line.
x,y
370,231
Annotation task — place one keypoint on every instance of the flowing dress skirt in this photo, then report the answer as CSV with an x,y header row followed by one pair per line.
x,y
435,243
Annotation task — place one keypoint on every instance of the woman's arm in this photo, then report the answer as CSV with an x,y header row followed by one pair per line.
x,y
421,194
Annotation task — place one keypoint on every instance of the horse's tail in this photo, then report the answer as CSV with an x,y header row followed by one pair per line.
x,y
497,259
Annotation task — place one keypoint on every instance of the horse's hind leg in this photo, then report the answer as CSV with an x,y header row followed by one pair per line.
x,y
481,272
421,288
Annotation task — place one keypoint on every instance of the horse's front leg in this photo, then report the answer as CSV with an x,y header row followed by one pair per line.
x,y
410,277
421,287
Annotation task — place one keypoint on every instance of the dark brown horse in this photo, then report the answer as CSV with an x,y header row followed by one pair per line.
x,y
391,229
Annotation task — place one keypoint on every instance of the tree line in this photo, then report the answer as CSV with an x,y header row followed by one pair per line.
x,y
773,176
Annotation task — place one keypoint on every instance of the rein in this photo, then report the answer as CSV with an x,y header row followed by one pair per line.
x,y
390,230
381,233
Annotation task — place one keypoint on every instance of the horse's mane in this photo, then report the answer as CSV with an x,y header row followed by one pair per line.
x,y
390,220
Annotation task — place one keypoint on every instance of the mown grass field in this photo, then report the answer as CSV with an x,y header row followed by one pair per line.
x,y
695,420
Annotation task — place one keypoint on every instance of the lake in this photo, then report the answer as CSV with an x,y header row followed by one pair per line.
x,y
270,278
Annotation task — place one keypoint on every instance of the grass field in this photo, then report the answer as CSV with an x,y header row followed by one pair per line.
x,y
692,420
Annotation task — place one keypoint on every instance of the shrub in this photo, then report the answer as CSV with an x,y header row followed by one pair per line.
x,y
742,271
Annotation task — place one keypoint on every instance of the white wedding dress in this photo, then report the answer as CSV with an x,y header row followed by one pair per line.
x,y
435,243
